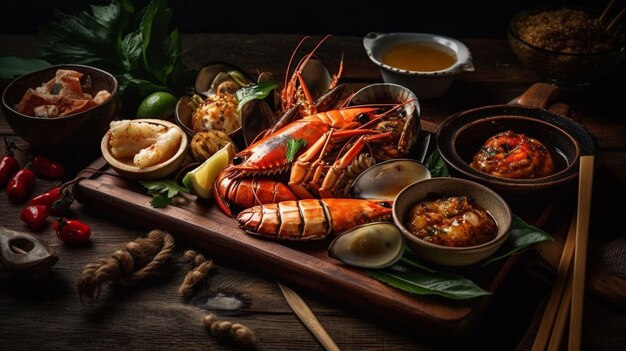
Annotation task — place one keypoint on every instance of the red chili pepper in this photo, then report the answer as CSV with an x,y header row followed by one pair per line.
x,y
8,165
57,200
47,168
35,217
21,185
71,231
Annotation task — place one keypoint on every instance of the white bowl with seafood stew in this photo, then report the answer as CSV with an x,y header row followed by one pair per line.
x,y
144,149
452,221
425,63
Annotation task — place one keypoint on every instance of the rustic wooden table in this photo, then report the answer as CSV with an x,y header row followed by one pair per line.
x,y
46,313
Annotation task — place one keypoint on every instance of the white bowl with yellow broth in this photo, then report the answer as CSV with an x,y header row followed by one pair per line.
x,y
425,63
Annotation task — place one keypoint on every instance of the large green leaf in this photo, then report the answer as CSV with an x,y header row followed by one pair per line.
x,y
436,165
12,66
521,236
449,285
160,48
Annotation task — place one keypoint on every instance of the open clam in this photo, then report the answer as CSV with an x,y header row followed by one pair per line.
x,y
372,245
386,179
225,80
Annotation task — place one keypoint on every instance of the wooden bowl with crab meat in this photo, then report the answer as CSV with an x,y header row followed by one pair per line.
x,y
61,106
144,149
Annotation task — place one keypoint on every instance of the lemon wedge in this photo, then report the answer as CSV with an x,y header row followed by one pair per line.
x,y
200,180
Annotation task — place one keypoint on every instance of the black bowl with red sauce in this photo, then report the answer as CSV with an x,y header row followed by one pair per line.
x,y
462,135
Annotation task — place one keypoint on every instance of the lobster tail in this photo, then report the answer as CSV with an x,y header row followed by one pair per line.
x,y
311,219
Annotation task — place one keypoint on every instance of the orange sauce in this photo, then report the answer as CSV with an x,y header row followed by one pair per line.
x,y
422,57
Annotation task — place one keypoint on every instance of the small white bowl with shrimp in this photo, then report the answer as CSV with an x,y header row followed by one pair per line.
x,y
144,149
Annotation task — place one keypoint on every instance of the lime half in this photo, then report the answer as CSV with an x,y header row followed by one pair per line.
x,y
160,104
200,180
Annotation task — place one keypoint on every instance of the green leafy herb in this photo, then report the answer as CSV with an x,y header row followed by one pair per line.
x,y
449,285
136,46
163,191
12,67
521,236
436,165
293,146
258,91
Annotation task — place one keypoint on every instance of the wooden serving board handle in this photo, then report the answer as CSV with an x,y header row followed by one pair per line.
x,y
545,96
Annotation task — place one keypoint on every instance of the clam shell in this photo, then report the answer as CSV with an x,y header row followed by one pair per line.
x,y
386,93
386,179
256,115
372,245
212,70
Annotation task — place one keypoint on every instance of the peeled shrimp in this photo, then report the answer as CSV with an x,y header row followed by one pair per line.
x,y
127,137
165,147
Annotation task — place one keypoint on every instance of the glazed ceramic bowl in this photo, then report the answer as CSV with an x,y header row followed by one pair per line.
x,y
449,186
461,136
83,128
425,84
127,169
563,62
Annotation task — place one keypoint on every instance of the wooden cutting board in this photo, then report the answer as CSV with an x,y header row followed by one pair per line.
x,y
202,224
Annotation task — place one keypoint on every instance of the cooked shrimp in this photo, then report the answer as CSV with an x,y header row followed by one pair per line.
x,y
127,137
165,147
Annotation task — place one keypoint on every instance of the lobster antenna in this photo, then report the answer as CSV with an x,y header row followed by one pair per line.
x,y
308,57
293,55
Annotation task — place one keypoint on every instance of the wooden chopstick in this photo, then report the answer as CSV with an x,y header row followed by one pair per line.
x,y
558,290
606,11
561,319
616,20
605,14
585,184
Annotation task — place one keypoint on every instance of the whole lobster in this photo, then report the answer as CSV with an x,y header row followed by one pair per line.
x,y
310,155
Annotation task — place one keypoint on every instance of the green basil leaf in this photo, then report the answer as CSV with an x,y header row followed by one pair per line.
x,y
444,284
131,52
12,67
436,165
293,146
258,91
521,236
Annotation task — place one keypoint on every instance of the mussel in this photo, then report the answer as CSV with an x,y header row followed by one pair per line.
x,y
384,180
407,120
372,245
223,78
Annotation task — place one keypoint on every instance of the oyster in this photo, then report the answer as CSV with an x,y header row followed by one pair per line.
x,y
386,179
372,245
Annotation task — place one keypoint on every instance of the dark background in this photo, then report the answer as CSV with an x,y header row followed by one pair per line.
x,y
464,19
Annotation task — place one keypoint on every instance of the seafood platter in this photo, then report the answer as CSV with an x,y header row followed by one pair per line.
x,y
300,181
